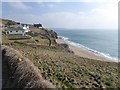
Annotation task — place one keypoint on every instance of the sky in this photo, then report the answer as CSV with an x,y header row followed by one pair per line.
x,y
82,14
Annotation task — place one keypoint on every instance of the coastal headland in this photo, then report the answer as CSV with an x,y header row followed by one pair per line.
x,y
38,59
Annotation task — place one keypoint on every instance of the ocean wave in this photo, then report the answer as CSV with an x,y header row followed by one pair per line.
x,y
89,49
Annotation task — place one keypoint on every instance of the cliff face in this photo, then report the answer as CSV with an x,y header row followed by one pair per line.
x,y
19,72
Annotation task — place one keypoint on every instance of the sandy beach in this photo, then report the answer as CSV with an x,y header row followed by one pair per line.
x,y
83,52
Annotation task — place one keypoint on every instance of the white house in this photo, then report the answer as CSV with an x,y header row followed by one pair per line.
x,y
22,26
15,31
26,27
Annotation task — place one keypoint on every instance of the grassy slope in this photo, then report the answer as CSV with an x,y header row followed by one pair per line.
x,y
5,21
20,72
41,41
68,70
65,69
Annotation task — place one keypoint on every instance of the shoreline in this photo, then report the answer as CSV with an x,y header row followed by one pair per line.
x,y
84,53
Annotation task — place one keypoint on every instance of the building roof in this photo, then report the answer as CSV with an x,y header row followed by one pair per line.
x,y
16,26
15,29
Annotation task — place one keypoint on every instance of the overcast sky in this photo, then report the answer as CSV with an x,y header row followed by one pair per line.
x,y
87,14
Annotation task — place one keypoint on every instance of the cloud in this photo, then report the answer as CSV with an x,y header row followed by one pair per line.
x,y
0,10
43,4
33,1
96,18
100,17
19,5
105,16
50,0
89,1
50,5
86,1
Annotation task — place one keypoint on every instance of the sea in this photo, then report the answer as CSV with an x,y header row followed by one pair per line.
x,y
103,42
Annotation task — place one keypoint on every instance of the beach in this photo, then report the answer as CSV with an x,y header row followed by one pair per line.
x,y
83,52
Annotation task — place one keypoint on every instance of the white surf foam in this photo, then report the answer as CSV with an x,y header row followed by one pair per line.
x,y
89,49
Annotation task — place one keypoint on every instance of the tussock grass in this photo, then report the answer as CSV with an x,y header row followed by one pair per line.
x,y
67,70
20,72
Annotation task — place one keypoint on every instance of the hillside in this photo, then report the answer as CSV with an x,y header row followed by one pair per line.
x,y
53,63
69,71
19,72
41,36
6,22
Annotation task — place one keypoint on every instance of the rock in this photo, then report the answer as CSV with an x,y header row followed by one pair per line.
x,y
64,47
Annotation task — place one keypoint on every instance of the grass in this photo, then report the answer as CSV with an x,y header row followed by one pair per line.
x,y
19,72
67,70
63,69
36,40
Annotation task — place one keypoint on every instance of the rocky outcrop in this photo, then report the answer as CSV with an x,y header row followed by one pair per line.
x,y
53,34
50,33
64,47
20,72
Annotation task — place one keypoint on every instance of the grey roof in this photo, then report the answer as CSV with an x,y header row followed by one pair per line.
x,y
16,26
15,29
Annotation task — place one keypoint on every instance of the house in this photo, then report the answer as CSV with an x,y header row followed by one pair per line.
x,y
23,26
26,27
15,31
38,25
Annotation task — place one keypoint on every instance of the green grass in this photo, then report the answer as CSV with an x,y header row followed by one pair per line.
x,y
68,70
65,70
37,40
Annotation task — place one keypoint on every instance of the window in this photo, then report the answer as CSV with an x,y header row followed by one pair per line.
x,y
16,31
10,31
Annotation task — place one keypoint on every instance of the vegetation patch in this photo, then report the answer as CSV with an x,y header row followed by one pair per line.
x,y
67,70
